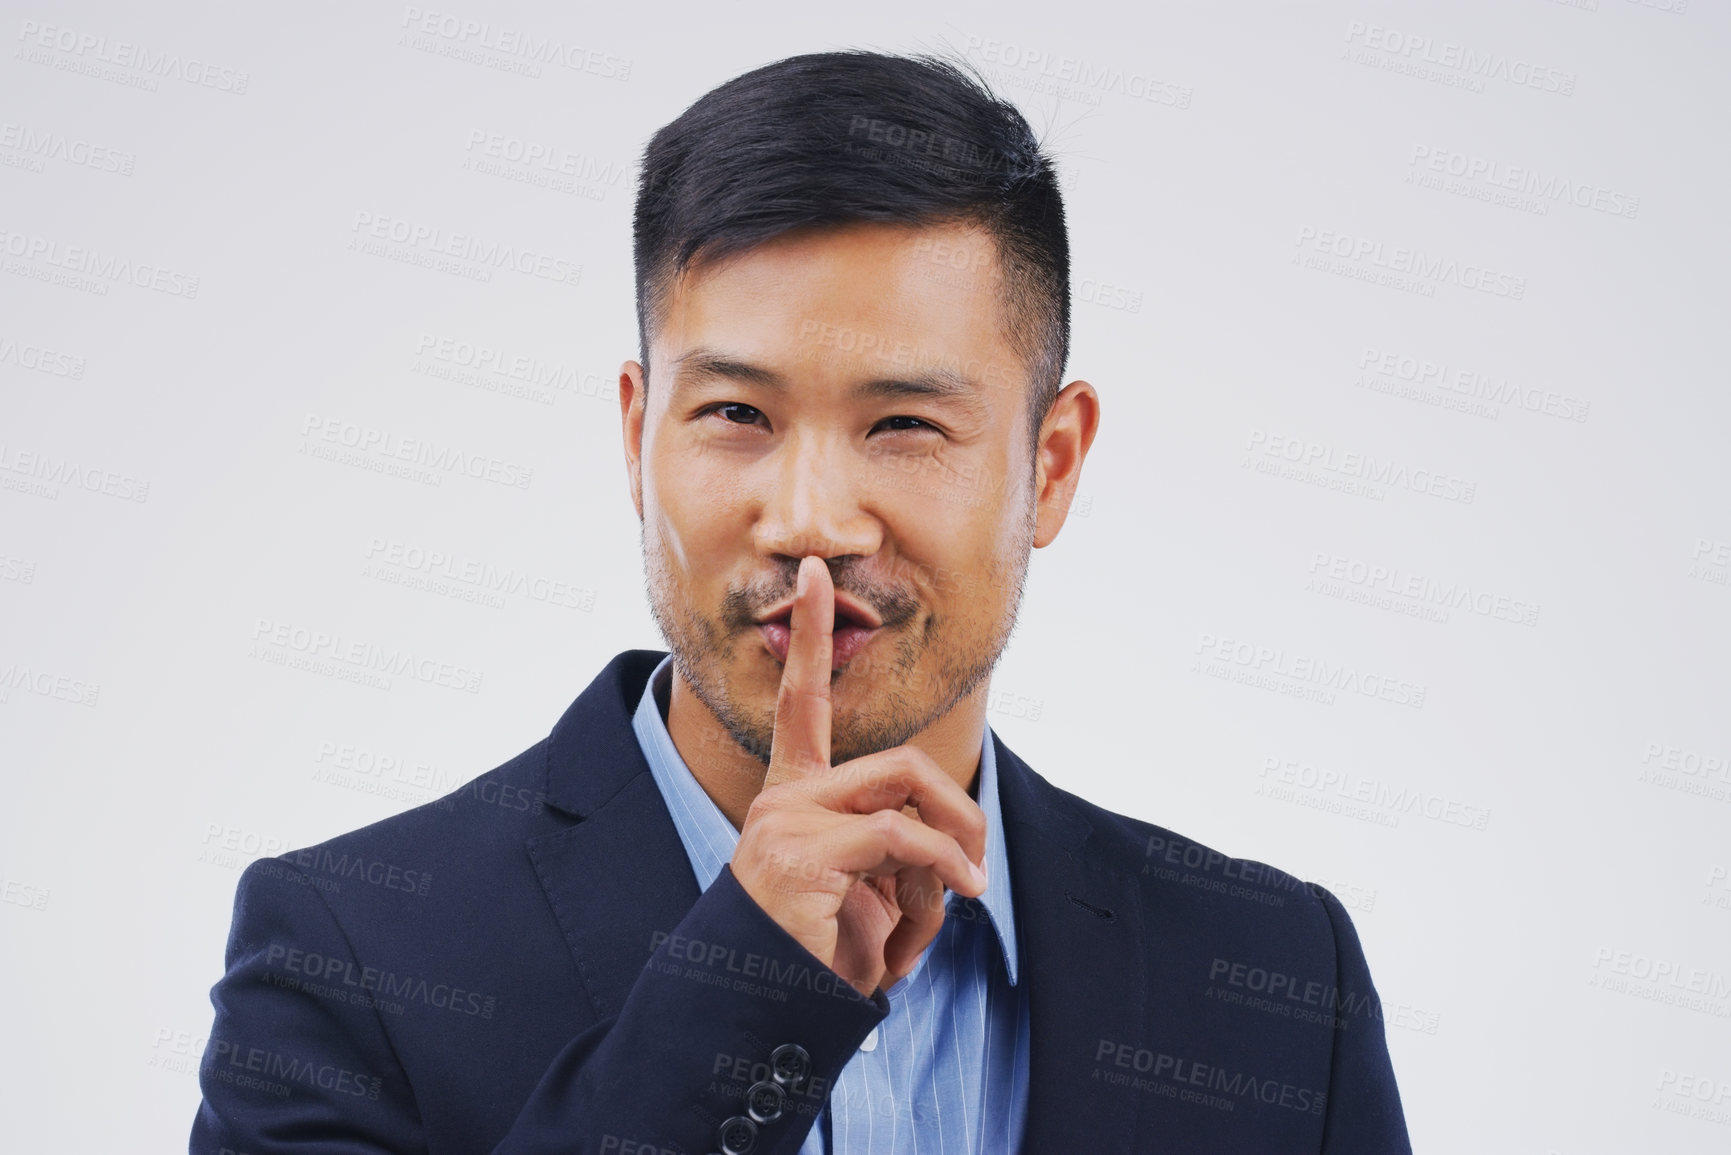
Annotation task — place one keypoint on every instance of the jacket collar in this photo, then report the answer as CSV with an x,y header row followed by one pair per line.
x,y
593,751
1079,919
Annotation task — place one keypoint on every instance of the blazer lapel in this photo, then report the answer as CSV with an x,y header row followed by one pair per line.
x,y
1080,929
620,875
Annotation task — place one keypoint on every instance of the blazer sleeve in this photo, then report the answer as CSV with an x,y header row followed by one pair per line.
x,y
288,1073
285,1070
1364,1112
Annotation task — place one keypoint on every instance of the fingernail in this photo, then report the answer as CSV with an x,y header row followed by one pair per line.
x,y
800,581
979,876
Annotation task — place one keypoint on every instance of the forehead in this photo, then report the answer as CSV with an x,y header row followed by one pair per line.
x,y
863,298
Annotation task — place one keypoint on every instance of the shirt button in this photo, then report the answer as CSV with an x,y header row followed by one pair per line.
x,y
871,1041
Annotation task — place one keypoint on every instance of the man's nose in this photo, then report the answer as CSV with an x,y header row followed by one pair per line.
x,y
814,504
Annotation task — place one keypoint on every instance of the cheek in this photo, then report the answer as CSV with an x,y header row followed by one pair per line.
x,y
667,519
693,478
669,544
680,508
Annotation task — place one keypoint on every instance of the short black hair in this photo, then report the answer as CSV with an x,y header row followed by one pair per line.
x,y
835,137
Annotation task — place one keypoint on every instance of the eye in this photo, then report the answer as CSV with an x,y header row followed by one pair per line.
x,y
917,425
735,407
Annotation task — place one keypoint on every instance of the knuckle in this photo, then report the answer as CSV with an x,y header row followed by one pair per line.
x,y
886,824
761,813
767,822
790,863
788,795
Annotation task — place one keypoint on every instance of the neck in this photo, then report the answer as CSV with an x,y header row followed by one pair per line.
x,y
732,778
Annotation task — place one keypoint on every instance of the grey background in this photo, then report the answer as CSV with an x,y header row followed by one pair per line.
x,y
1523,852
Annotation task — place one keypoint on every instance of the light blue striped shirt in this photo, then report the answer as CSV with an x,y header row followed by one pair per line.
x,y
947,1072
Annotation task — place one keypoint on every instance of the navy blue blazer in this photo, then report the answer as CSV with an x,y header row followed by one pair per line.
x,y
526,966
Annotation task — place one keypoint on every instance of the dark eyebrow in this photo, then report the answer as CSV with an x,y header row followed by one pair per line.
x,y
700,364
944,384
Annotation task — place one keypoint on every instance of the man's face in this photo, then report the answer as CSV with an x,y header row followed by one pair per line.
x,y
849,393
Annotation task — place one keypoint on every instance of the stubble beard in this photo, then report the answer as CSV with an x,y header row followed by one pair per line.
x,y
703,650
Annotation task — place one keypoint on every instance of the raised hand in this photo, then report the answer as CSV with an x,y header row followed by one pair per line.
x,y
829,851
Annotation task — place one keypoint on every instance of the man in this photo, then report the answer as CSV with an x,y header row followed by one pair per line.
x,y
783,890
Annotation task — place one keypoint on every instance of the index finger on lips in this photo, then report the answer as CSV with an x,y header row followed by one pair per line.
x,y
802,705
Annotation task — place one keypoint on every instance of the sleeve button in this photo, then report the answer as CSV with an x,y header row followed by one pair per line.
x,y
764,1102
737,1136
789,1064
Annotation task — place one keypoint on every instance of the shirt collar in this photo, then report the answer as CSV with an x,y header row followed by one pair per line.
x,y
709,837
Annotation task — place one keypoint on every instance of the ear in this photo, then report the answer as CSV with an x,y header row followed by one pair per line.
x,y
1065,436
631,406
